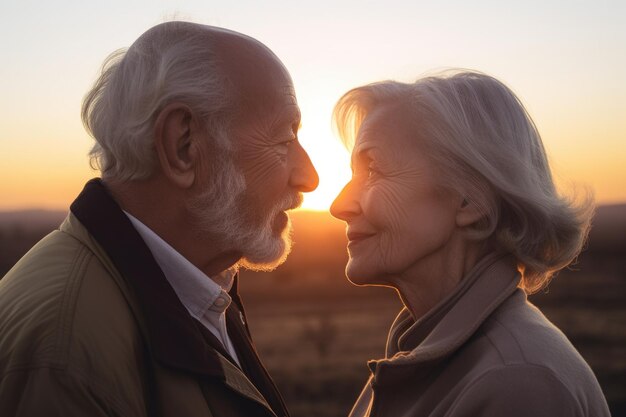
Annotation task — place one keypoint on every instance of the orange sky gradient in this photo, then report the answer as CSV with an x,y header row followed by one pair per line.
x,y
565,60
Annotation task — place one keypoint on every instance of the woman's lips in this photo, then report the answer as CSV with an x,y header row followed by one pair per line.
x,y
356,237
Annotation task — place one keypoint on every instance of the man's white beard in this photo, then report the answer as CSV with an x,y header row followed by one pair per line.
x,y
224,211
264,250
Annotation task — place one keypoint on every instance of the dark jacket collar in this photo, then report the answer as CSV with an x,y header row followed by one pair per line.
x,y
174,337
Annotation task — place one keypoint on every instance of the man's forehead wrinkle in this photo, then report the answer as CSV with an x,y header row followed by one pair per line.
x,y
289,90
286,118
292,113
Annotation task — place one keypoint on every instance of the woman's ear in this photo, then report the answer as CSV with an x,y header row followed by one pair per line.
x,y
174,146
468,212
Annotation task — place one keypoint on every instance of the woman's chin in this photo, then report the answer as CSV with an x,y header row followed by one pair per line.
x,y
358,274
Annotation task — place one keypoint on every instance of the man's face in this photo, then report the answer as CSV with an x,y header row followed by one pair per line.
x,y
276,170
267,169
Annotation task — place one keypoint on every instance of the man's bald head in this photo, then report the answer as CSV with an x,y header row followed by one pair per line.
x,y
250,65
253,69
220,74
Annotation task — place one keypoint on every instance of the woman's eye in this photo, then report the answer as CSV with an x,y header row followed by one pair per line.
x,y
371,173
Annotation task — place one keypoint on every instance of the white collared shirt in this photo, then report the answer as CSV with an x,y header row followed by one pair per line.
x,y
205,298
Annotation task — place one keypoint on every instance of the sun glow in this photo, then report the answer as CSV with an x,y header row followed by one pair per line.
x,y
332,162
330,158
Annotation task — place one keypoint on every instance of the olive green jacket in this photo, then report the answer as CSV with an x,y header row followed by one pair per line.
x,y
89,331
483,351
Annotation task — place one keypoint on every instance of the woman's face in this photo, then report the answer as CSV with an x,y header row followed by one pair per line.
x,y
397,216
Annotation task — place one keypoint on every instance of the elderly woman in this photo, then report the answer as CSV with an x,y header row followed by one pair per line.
x,y
452,203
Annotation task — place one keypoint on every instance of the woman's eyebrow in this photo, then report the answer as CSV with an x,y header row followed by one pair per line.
x,y
368,152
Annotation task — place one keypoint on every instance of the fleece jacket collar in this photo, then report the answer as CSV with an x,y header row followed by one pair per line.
x,y
452,322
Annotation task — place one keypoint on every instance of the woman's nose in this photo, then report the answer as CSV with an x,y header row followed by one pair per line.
x,y
345,205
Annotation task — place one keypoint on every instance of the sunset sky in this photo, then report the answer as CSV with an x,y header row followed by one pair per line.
x,y
565,59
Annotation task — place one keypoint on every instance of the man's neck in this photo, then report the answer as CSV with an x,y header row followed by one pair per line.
x,y
159,208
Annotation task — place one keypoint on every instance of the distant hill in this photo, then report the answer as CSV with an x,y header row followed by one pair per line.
x,y
31,219
318,233
319,253
608,231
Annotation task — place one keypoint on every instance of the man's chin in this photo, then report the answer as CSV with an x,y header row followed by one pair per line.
x,y
265,264
268,246
274,254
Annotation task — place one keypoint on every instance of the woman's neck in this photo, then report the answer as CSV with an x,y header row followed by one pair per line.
x,y
431,279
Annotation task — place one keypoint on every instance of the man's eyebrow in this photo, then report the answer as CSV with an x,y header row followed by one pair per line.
x,y
293,117
288,117
296,114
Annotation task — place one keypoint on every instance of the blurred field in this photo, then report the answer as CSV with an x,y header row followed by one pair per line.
x,y
315,331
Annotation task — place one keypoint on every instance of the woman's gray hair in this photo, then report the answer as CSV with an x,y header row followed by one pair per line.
x,y
171,62
488,149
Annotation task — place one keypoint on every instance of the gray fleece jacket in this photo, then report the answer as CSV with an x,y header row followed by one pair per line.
x,y
483,351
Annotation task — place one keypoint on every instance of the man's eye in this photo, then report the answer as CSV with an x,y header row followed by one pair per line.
x,y
286,143
282,147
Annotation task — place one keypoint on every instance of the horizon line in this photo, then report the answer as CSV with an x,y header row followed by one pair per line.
x,y
59,209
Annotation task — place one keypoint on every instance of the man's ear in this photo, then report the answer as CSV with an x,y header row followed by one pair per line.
x,y
174,146
467,213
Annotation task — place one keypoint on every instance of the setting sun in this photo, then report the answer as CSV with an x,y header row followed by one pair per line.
x,y
331,159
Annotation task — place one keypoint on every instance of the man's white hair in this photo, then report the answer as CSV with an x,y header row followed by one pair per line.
x,y
176,61
171,62
487,148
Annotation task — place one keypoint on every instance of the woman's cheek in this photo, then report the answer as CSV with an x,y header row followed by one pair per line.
x,y
385,209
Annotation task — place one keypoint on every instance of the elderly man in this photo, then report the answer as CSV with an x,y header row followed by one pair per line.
x,y
131,308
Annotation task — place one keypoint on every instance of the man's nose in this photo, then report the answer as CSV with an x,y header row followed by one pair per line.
x,y
345,206
303,176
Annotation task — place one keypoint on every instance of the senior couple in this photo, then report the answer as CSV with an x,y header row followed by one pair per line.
x,y
131,308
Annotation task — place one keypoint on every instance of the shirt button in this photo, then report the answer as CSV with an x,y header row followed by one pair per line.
x,y
220,302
